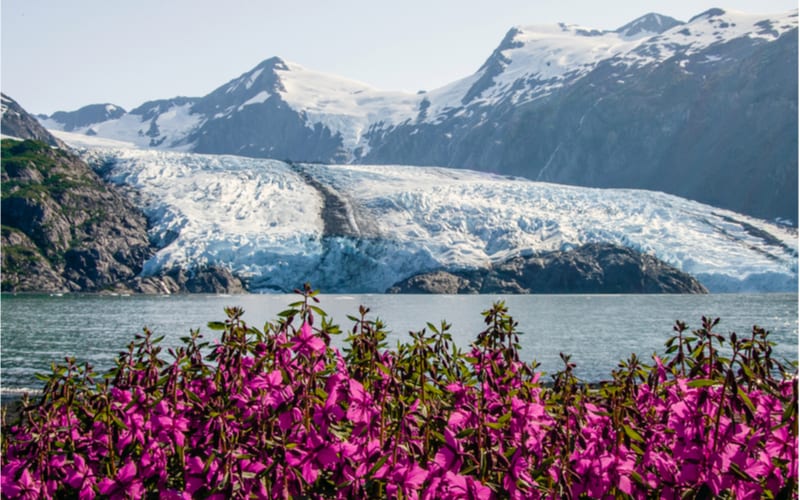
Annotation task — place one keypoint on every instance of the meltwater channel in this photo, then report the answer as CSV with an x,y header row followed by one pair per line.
x,y
598,331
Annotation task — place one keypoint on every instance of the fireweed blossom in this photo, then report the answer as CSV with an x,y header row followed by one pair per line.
x,y
308,344
277,414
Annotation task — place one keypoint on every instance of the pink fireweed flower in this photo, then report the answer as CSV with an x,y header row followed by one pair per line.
x,y
134,421
306,343
24,487
449,456
315,456
519,474
170,426
198,476
458,486
272,392
175,495
154,462
406,477
329,413
290,420
362,408
127,484
81,477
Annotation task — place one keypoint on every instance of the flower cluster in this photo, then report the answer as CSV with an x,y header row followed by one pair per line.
x,y
278,413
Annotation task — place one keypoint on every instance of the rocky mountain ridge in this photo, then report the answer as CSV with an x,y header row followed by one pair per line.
x,y
705,109
16,122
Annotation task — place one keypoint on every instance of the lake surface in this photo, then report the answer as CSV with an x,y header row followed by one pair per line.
x,y
597,330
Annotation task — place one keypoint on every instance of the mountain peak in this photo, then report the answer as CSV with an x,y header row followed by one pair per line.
x,y
652,23
273,63
262,78
714,12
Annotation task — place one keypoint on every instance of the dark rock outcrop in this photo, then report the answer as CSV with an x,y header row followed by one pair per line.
x,y
212,279
65,230
592,268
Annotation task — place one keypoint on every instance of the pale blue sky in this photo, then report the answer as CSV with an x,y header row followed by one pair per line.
x,y
61,55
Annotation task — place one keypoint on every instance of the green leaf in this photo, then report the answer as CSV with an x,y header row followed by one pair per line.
x,y
379,464
216,325
702,382
746,399
632,434
318,310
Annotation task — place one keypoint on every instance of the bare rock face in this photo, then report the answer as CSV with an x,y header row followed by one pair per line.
x,y
63,228
592,268
211,279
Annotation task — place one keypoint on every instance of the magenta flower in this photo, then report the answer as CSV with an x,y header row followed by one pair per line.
x,y
308,344
24,487
315,456
408,478
518,482
169,425
362,408
459,486
198,477
449,456
127,484
81,477
154,462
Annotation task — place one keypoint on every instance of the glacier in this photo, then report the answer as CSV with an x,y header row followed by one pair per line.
x,y
265,221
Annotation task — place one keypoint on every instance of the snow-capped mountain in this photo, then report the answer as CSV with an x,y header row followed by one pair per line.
x,y
87,116
270,222
705,109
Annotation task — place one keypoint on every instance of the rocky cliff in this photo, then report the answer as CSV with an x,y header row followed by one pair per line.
x,y
63,229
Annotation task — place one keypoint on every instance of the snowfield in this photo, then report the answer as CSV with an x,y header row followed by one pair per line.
x,y
264,221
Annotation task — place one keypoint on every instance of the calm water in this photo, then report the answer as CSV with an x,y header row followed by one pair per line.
x,y
598,330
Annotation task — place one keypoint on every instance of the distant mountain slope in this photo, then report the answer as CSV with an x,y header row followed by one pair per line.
x,y
705,109
88,115
357,228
